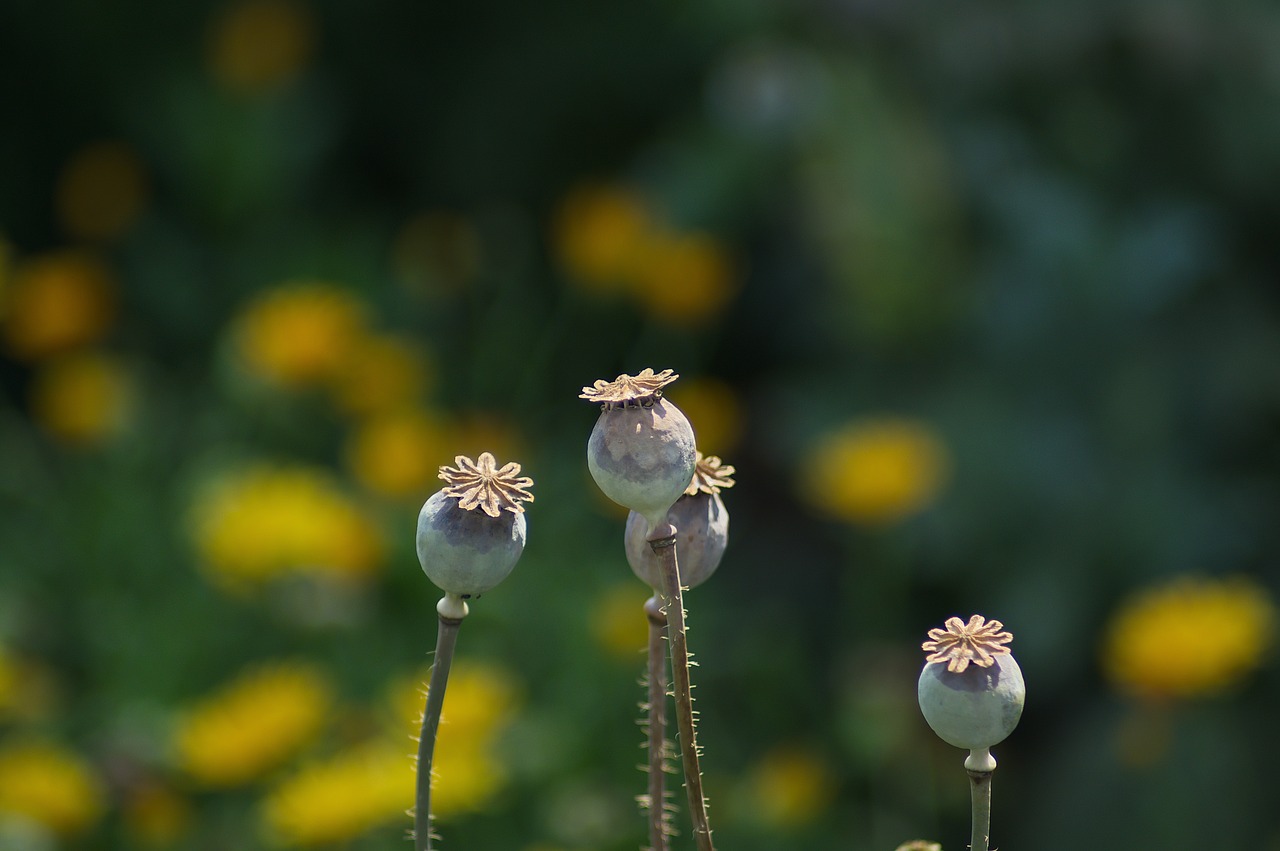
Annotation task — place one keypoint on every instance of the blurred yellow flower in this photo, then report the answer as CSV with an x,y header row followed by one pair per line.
x,y
789,787
875,471
618,622
381,373
398,455
479,702
336,800
600,233
300,334
57,302
82,398
684,278
259,523
49,785
1192,636
257,45
252,724
101,191
714,410
155,815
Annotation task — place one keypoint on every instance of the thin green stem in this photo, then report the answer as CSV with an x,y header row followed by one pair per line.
x,y
451,611
656,722
662,539
980,792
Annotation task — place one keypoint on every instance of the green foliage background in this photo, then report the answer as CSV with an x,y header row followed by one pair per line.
x,y
1046,229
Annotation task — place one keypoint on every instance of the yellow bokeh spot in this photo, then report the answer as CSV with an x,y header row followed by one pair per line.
x,y
1192,636
399,455
49,785
258,45
252,725
82,398
789,787
381,373
875,471
618,621
480,701
300,334
57,302
600,233
684,278
101,191
257,524
349,794
715,412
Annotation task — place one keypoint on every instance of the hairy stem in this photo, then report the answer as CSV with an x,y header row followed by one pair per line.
x,y
662,539
656,721
451,610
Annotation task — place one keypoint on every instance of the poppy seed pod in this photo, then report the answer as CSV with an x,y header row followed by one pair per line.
x,y
971,690
471,533
641,452
702,524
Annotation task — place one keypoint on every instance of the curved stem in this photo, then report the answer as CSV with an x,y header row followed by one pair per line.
x,y
980,797
451,610
662,539
656,722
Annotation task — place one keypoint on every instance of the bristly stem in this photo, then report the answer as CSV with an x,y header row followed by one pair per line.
x,y
662,539
656,721
980,766
451,610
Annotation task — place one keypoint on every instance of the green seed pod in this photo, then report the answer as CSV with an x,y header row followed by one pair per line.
x,y
641,452
971,690
702,524
472,533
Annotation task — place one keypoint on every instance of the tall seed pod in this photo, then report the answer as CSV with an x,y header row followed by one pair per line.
x,y
470,535
641,454
702,524
971,693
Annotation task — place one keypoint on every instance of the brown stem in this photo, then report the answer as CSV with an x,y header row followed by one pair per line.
x,y
662,539
657,724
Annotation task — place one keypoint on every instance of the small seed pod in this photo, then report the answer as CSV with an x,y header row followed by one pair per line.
x,y
971,689
702,524
641,451
472,532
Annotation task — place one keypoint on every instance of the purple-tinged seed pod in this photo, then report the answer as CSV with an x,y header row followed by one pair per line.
x,y
641,452
472,533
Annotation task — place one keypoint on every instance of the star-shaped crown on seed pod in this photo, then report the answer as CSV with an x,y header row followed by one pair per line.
x,y
979,641
710,475
482,484
628,391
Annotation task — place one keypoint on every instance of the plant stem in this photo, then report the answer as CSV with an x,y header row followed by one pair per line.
x,y
662,539
451,610
980,796
657,724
